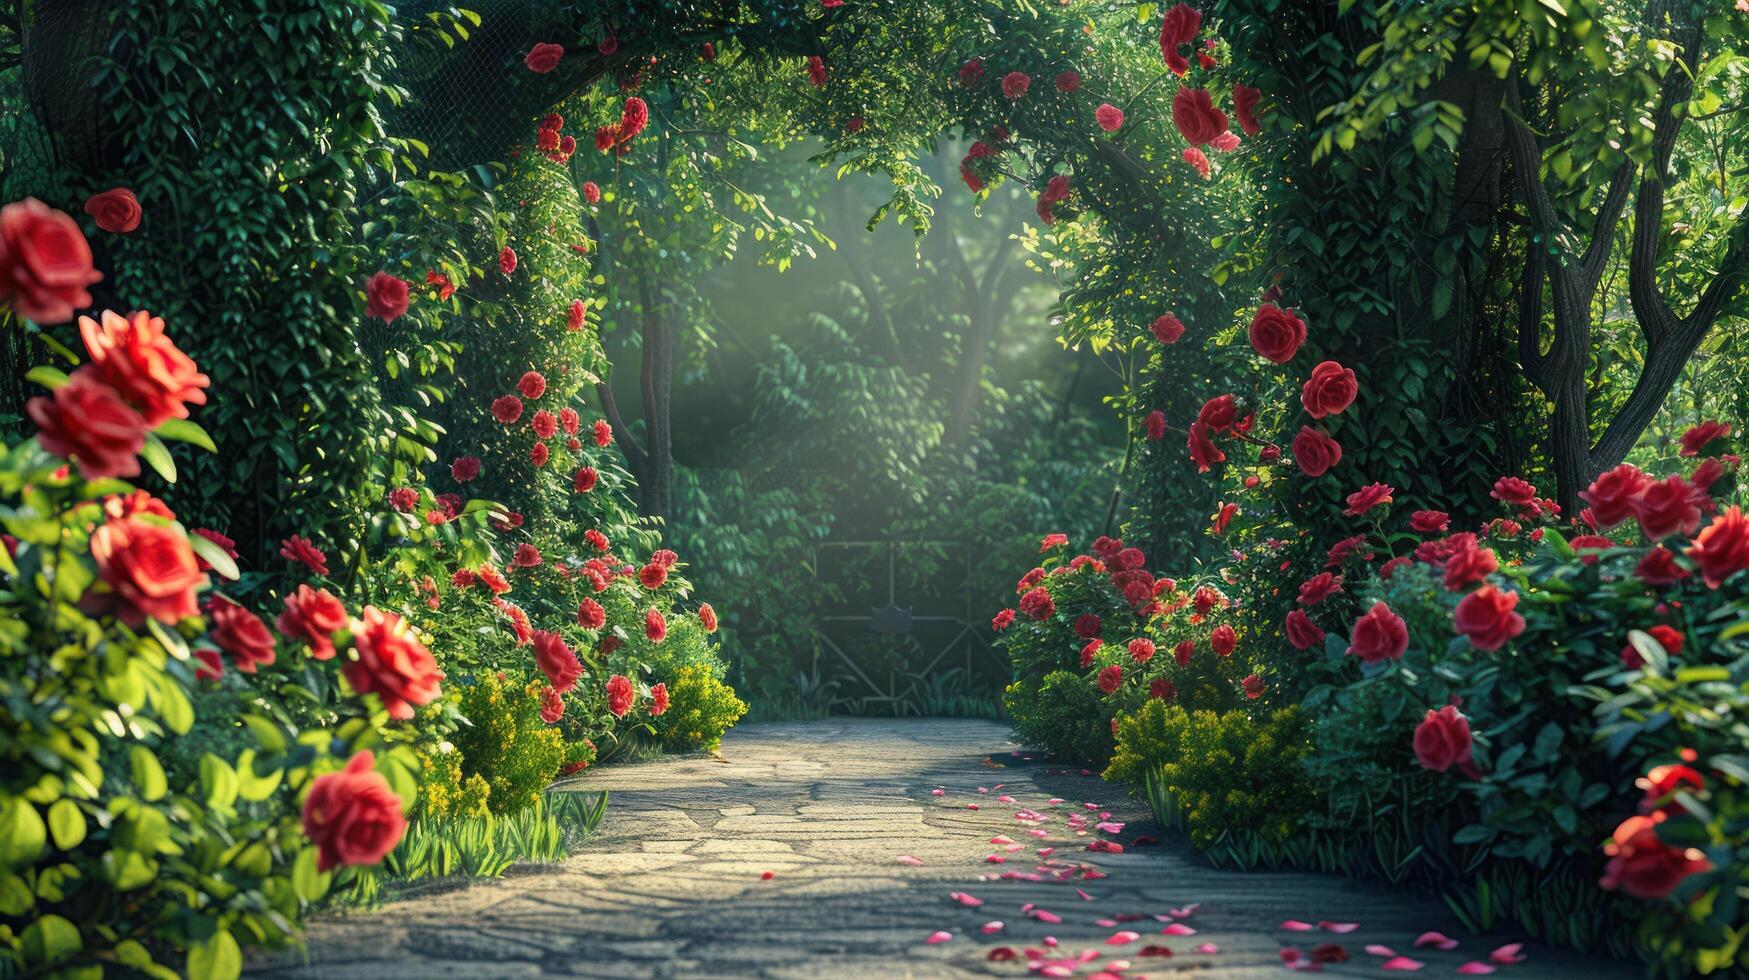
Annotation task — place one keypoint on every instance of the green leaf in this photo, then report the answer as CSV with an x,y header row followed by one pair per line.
x,y
182,430
157,456
22,834
48,377
309,883
66,823
218,958
213,555
49,940
148,774
218,781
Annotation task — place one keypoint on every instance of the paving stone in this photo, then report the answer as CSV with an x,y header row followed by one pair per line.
x,y
671,884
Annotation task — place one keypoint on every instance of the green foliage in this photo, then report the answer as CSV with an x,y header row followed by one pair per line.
x,y
506,743
1227,773
701,708
1060,713
446,792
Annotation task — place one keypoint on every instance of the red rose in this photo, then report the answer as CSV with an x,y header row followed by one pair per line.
x,y
658,700
1442,740
1643,865
1429,521
1219,413
352,816
507,260
1302,632
543,58
1110,677
1658,567
620,695
576,315
313,616
1183,652
1662,784
1109,117
209,664
1068,81
1329,390
241,634
1515,491
1378,635
1197,118
1488,617
552,705
386,297
1318,588
655,626
592,194
116,211
1003,619
707,617
1276,334
45,262
557,661
532,385
1203,451
585,480
590,615
1162,689
391,664
1253,686
1668,506
544,423
817,71
1141,650
633,117
149,570
1167,329
1389,568
971,72
653,575
1037,603
507,409
1315,451
299,549
1700,435
132,355
1468,563
1722,547
1196,158
86,421
1342,550
603,433
1613,494
1178,29
464,468
1223,639
1244,107
1087,625
1368,497
1089,650
526,556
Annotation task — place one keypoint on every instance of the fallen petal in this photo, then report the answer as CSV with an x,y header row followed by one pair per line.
x,y
1155,951
1476,968
1209,948
1295,925
992,927
1401,963
939,936
1338,926
1122,937
1044,916
908,859
767,875
967,900
1001,954
1178,929
1436,939
1507,954
1376,950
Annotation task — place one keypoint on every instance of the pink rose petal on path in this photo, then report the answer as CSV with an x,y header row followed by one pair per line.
x,y
992,927
1004,799
994,859
966,900
1476,968
1401,963
1046,852
1001,839
971,806
1377,950
1122,937
1209,948
1338,926
1044,916
1084,896
939,936
767,875
938,792
1436,939
1185,912
908,859
1508,954
1295,925
1178,929
1106,923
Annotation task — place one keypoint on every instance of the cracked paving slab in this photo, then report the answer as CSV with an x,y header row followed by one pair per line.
x,y
672,884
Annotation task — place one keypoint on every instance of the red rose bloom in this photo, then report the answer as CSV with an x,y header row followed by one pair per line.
x,y
972,72
592,194
1203,451
1253,686
45,262
658,700
1068,81
653,575
352,816
816,71
655,626
1087,625
464,468
543,58
1301,631
1141,650
385,297
1167,329
391,664
209,665
313,616
116,210
1315,451
1197,118
576,315
1178,29
1219,413
1658,567
1318,588
590,615
1037,603
241,634
1722,547
557,661
585,480
1468,563
1276,334
1198,159
298,548
1003,619
1613,494
86,421
1162,689
526,556
1223,639
507,409
1015,84
1488,617
1154,425
1442,740
132,355
1667,637
1668,506
1245,108
507,260
544,424
1183,652
552,705
1368,497
1109,117
1329,390
1700,435
149,570
1378,635
1429,521
620,695
1515,491
1110,677
603,433
1642,865
532,385
403,499
1662,783
707,617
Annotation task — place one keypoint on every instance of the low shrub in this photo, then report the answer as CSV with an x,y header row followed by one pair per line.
x,y
506,744
701,710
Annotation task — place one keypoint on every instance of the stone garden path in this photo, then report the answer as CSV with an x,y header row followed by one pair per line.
x,y
674,884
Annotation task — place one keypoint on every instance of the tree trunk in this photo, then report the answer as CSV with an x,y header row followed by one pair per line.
x,y
656,482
